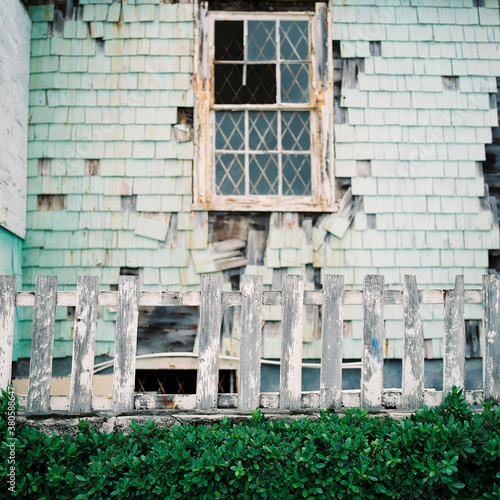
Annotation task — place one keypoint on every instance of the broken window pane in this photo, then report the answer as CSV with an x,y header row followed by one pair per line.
x,y
230,174
229,40
297,175
260,85
263,174
261,44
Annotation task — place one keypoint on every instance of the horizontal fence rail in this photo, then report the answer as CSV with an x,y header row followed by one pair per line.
x,y
372,396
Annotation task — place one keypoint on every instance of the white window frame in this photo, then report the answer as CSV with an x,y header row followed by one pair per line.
x,y
321,105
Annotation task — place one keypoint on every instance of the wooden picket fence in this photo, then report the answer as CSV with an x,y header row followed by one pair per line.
x,y
211,299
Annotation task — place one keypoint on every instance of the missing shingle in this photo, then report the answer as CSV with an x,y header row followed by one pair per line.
x,y
493,101
51,202
350,71
371,221
363,168
44,166
450,82
342,184
70,313
56,26
183,129
129,203
92,167
376,49
472,338
99,46
478,3
340,115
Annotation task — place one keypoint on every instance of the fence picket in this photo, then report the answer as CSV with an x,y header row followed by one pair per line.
x,y
42,344
413,347
207,382
372,356
331,349
491,328
7,319
251,326
80,394
125,343
454,337
291,342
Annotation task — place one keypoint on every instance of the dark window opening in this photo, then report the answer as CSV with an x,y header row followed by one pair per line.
x,y
179,381
229,40
259,88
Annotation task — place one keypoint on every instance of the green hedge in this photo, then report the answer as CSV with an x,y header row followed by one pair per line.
x,y
446,452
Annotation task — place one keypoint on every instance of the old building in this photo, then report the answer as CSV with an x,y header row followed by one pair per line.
x,y
174,139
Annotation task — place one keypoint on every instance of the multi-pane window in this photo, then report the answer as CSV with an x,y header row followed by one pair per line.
x,y
263,148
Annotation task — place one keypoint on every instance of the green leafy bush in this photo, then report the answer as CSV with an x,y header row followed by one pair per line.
x,y
449,452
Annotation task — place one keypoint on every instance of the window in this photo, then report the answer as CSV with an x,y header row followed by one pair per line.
x,y
263,114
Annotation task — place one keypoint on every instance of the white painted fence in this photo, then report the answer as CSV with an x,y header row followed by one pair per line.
x,y
211,299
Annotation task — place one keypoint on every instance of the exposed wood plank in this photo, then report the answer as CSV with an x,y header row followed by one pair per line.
x,y
209,349
125,343
291,342
454,337
42,344
251,339
7,320
331,349
413,347
491,328
82,367
372,356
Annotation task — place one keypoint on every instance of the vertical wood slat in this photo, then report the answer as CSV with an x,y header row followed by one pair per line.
x,y
372,357
454,337
331,351
491,328
207,381
125,343
82,367
42,344
413,347
251,327
291,342
7,319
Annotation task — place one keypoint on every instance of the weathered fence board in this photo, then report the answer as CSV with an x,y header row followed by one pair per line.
x,y
292,299
42,344
291,342
372,360
209,349
230,298
7,318
331,350
491,328
251,340
454,337
413,347
82,367
125,343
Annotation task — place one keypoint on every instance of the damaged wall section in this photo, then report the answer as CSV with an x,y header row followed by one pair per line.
x,y
413,112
